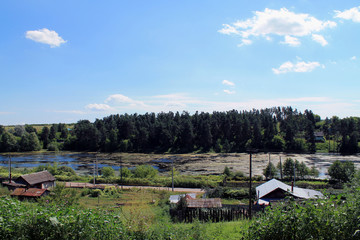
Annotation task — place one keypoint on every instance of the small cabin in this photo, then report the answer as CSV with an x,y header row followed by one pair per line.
x,y
40,180
319,137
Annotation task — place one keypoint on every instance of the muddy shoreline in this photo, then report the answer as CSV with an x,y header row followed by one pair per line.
x,y
189,164
214,163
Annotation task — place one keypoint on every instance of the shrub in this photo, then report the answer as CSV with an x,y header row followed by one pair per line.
x,y
342,171
53,147
145,171
107,172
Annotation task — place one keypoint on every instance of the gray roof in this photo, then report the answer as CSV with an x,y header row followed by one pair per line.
x,y
273,184
204,203
39,177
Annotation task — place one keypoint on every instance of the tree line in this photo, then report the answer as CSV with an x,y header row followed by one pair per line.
x,y
271,129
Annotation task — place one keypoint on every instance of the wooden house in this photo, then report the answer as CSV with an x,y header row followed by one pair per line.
x,y
41,180
275,190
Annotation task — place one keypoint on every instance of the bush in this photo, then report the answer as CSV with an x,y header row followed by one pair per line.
x,y
342,171
107,172
53,147
145,171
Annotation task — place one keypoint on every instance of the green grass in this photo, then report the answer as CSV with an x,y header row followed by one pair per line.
x,y
144,215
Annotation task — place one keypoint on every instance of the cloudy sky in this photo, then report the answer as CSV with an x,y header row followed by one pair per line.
x,y
62,61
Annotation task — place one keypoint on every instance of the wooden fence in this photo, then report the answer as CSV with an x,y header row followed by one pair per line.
x,y
208,214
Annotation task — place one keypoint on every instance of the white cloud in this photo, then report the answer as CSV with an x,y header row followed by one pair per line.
x,y
227,82
229,92
276,22
98,107
291,41
122,99
298,67
353,58
320,39
245,42
45,36
350,14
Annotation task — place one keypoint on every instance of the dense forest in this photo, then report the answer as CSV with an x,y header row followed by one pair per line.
x,y
271,129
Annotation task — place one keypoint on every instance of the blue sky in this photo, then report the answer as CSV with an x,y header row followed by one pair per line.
x,y
62,61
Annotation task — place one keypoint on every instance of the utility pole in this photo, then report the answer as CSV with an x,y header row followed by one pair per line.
x,y
9,168
97,170
250,169
121,180
281,172
172,171
294,172
94,172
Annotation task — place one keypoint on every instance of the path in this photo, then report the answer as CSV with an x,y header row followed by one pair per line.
x,y
102,186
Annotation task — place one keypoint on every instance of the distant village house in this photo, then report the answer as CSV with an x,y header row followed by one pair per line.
x,y
275,190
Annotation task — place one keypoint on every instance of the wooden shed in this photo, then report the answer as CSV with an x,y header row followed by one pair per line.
x,y
41,180
30,193
204,203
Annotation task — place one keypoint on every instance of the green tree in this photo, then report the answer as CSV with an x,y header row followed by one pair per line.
x,y
30,129
145,171
2,129
8,143
44,136
30,142
342,171
270,171
227,172
107,172
288,168
52,134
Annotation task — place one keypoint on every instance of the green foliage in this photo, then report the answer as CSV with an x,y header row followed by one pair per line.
x,y
53,146
61,196
125,172
227,172
145,171
30,142
270,171
19,221
229,193
277,143
342,171
288,168
8,143
328,218
107,172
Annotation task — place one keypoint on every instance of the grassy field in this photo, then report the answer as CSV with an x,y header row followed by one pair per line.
x,y
143,214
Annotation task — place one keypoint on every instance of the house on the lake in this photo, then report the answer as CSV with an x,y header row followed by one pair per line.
x,y
275,190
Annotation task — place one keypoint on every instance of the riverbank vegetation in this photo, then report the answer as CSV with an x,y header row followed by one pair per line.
x,y
273,129
144,214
